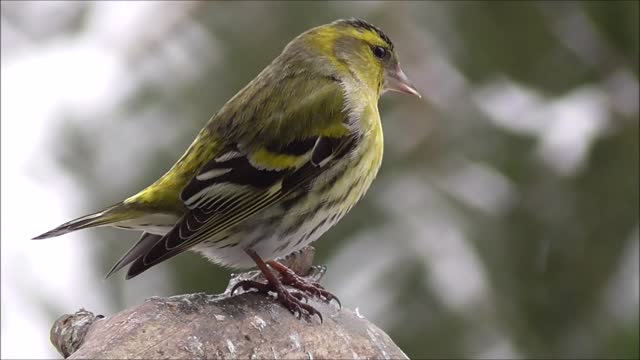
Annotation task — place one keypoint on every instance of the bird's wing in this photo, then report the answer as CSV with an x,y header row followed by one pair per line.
x,y
146,241
252,174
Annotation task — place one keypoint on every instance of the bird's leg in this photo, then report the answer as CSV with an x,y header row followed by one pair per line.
x,y
290,278
291,300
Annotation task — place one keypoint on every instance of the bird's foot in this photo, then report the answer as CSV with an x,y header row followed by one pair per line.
x,y
290,278
293,301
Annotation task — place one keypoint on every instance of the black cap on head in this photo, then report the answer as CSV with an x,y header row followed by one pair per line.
x,y
361,24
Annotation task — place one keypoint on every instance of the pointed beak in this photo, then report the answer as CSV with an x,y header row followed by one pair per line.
x,y
397,80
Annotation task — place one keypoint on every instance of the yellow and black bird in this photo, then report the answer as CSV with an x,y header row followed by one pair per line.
x,y
278,165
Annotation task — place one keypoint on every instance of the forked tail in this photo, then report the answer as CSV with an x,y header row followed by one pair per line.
x,y
104,217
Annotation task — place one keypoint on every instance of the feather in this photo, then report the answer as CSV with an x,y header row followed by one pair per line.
x,y
210,221
146,241
273,138
110,215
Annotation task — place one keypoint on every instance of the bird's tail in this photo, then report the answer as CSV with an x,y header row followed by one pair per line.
x,y
107,216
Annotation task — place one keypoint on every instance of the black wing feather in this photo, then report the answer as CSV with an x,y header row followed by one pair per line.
x,y
195,225
146,241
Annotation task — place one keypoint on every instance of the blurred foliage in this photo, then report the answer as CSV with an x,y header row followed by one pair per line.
x,y
547,240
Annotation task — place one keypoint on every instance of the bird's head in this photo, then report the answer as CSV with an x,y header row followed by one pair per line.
x,y
359,51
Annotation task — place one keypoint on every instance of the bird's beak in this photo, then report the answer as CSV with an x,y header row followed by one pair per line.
x,y
397,80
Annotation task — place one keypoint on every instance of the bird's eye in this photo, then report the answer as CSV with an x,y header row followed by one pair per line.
x,y
380,52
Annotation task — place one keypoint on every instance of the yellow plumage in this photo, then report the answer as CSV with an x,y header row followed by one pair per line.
x,y
279,164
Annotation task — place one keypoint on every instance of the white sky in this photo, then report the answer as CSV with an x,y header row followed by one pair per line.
x,y
38,84
37,197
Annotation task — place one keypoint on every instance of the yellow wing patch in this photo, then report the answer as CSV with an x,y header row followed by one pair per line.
x,y
265,159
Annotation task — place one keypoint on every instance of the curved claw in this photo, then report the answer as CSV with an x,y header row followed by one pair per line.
x,y
251,284
290,278
234,288
292,301
328,299
311,288
312,311
300,296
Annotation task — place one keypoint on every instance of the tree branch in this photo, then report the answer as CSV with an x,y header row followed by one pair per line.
x,y
219,326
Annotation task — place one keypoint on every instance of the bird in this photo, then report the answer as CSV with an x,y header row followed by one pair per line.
x,y
278,165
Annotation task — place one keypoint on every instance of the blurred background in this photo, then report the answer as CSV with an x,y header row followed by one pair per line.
x,y
504,221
